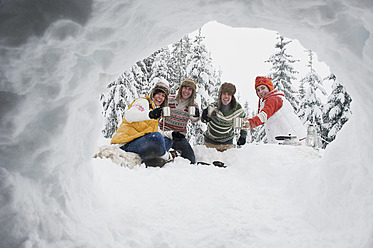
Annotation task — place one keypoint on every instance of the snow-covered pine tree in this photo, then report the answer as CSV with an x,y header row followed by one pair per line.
x,y
215,83
282,72
178,62
246,108
336,111
301,92
122,93
159,66
311,108
200,69
258,134
111,119
141,77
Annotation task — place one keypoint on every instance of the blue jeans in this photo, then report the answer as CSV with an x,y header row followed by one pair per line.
x,y
185,148
149,146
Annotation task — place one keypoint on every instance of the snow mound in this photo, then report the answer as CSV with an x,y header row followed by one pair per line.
x,y
258,199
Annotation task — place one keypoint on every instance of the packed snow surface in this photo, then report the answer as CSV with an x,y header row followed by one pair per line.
x,y
260,200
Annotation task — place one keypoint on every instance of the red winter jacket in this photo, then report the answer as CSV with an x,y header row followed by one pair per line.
x,y
272,103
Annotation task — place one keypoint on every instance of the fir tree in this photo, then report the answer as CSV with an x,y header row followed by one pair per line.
x,y
258,134
121,94
301,92
111,122
247,110
283,71
140,75
200,69
178,62
159,66
310,109
336,111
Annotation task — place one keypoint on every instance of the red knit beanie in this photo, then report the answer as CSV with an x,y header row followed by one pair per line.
x,y
264,81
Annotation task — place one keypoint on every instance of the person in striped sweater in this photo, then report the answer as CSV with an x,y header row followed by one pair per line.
x,y
175,126
220,132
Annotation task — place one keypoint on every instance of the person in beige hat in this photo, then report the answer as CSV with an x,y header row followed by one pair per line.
x,y
220,132
180,116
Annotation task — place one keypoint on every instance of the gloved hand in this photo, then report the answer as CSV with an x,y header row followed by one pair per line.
x,y
204,115
246,124
177,136
155,113
241,140
196,114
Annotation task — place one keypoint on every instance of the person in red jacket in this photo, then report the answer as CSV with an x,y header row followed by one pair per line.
x,y
275,112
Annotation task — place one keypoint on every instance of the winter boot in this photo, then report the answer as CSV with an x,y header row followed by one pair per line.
x,y
155,162
215,163
219,164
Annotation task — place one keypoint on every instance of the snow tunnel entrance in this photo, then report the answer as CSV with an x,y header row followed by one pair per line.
x,y
217,53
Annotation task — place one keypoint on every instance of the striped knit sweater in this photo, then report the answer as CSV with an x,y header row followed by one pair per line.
x,y
220,128
179,116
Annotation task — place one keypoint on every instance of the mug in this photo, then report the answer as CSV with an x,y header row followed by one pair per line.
x,y
237,123
192,110
210,109
166,111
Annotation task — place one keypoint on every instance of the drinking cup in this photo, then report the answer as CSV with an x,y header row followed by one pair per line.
x,y
237,123
192,110
166,111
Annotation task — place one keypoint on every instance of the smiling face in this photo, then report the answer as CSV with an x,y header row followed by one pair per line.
x,y
186,92
226,98
262,91
159,98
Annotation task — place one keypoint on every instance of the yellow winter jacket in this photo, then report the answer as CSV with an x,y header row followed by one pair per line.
x,y
130,131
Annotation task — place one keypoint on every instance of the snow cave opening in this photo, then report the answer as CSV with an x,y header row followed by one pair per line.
x,y
305,61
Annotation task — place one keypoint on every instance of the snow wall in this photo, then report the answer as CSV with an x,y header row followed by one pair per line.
x,y
56,58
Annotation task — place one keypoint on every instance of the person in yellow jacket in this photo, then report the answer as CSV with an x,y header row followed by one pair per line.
x,y
138,132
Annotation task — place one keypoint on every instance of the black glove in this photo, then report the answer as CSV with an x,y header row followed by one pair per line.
x,y
177,136
242,140
196,114
155,113
204,115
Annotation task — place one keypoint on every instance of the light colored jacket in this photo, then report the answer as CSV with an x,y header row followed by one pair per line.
x,y
278,116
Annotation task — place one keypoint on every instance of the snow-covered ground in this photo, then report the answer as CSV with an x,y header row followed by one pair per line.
x,y
56,59
260,200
